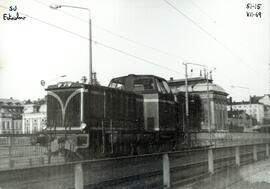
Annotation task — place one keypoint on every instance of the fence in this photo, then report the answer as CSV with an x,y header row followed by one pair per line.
x,y
144,171
16,151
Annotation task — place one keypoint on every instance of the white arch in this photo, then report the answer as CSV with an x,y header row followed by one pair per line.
x,y
64,107
61,103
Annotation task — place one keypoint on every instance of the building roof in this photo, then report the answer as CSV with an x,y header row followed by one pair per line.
x,y
198,84
35,108
10,102
253,100
193,80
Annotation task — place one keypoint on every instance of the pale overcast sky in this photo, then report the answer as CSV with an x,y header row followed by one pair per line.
x,y
216,33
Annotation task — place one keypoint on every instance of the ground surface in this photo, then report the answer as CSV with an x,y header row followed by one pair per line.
x,y
253,176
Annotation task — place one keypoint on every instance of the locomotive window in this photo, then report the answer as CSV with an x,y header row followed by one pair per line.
x,y
165,84
143,84
116,85
161,87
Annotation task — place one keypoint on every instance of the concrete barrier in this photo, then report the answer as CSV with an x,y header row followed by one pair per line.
x,y
210,161
143,171
237,156
166,171
78,176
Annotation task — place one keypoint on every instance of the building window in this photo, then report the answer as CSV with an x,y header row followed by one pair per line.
x,y
27,129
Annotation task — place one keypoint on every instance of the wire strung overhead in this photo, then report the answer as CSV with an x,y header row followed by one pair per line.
x,y
114,33
208,34
99,43
202,11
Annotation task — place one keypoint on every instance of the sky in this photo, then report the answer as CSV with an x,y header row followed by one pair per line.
x,y
134,37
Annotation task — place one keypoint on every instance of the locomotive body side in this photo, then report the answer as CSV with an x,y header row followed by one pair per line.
x,y
136,114
109,118
159,104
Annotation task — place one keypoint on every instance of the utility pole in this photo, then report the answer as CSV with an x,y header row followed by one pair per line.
x,y
186,91
90,50
186,97
208,102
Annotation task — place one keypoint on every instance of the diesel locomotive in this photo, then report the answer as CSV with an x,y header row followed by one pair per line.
x,y
135,114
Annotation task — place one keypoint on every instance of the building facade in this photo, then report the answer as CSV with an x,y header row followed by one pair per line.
x,y
238,121
257,107
253,109
213,97
11,116
265,100
34,117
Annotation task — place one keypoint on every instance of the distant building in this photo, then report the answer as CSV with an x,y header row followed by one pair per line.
x,y
255,110
34,117
214,99
257,107
265,100
238,120
10,116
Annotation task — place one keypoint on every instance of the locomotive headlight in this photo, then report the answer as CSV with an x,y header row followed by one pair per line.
x,y
83,125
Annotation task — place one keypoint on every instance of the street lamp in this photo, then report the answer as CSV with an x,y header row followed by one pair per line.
x,y
55,6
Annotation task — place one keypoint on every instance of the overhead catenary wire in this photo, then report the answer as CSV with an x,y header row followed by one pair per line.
x,y
142,44
111,32
208,33
202,11
99,43
114,33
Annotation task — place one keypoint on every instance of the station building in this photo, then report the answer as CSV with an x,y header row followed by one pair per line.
x,y
213,97
10,116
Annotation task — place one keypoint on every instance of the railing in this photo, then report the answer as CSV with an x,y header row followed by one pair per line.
x,y
157,170
16,151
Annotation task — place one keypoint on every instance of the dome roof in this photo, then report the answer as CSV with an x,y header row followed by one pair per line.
x,y
201,87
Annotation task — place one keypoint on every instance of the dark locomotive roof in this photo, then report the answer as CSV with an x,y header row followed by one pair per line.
x,y
141,84
136,76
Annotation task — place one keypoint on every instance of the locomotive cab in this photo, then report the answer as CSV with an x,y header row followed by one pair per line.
x,y
159,105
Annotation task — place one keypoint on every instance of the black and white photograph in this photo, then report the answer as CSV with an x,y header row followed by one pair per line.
x,y
134,94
